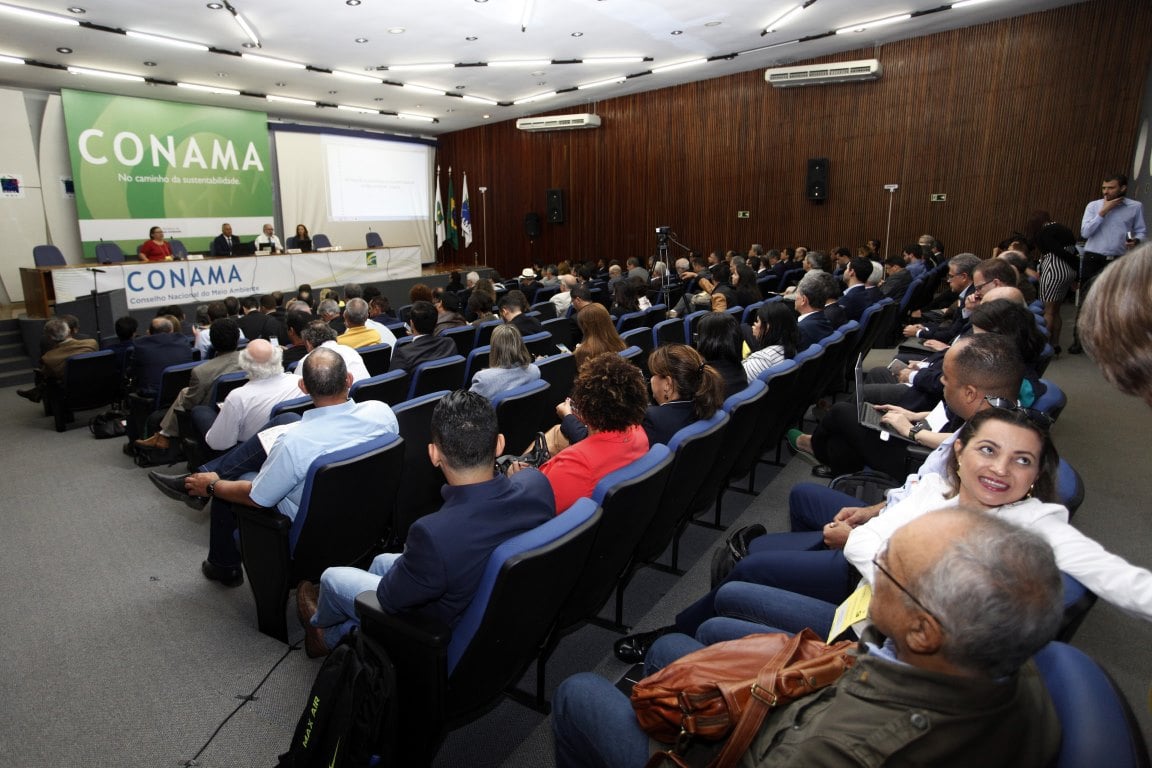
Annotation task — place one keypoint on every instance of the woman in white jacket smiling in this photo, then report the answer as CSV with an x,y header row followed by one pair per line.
x,y
1005,464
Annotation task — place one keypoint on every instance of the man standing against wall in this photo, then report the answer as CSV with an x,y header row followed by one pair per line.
x,y
1111,226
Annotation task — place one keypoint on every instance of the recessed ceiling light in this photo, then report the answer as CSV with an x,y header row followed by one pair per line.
x,y
378,98
487,117
223,74
396,30
352,2
449,110
149,63
281,84
461,87
249,45
62,49
677,32
361,39
712,24
215,6
542,82
76,9
577,34
333,93
471,38
480,1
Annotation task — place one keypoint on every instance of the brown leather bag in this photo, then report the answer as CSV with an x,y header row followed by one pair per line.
x,y
727,689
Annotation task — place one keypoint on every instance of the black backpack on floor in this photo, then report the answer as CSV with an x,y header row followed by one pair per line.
x,y
350,716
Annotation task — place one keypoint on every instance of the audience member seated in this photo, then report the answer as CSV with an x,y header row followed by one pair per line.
x,y
320,334
811,296
125,341
329,311
774,330
153,353
986,275
294,324
597,331
960,286
248,407
962,603
419,292
225,336
202,339
357,334
624,299
455,285
562,300
424,346
336,422
719,342
897,279
63,346
512,309
979,366
856,297
747,292
447,310
254,322
480,308
447,551
304,293
609,397
510,364
381,310
684,388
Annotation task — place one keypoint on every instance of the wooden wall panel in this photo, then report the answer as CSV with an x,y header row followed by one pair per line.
x,y
1004,118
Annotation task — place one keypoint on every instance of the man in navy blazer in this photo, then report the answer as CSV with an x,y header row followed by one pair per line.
x,y
151,354
857,297
425,346
811,296
444,557
224,243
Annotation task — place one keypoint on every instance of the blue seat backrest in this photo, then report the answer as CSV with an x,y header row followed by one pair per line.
x,y
575,516
696,428
655,455
332,457
776,370
749,392
524,389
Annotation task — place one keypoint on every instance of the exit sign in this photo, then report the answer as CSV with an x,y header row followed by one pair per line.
x,y
937,197
743,214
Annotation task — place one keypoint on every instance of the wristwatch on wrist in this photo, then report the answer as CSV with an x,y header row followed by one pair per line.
x,y
916,429
212,488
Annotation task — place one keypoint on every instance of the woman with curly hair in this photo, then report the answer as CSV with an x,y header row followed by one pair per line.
x,y
599,334
419,292
610,398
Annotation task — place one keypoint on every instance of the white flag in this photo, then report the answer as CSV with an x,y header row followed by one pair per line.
x,y
465,215
439,212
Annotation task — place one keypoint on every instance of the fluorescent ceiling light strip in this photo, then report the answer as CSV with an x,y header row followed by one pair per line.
x,y
10,59
102,73
271,61
612,60
423,89
521,63
421,118
166,40
209,89
39,16
681,65
290,100
357,76
245,28
966,3
599,83
767,47
481,100
430,67
779,20
870,24
537,97
361,110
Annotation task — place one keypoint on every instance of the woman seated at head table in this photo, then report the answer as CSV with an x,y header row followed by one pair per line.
x,y
155,248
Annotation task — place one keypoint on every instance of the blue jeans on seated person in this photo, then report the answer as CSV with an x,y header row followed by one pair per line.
x,y
593,723
768,609
336,606
781,560
811,506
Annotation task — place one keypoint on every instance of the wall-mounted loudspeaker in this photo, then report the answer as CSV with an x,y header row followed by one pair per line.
x,y
532,225
555,203
816,187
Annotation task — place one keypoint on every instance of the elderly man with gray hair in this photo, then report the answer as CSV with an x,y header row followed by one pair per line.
x,y
248,407
563,300
962,601
357,334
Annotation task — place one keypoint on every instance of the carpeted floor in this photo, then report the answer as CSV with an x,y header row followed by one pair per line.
x,y
118,651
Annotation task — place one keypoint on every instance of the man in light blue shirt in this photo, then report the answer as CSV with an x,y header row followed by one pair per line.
x,y
1112,225
335,423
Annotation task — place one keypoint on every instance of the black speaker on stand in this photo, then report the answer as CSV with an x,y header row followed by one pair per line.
x,y
555,206
816,186
532,225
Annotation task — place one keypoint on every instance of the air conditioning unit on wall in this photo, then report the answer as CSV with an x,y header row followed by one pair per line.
x,y
558,122
820,74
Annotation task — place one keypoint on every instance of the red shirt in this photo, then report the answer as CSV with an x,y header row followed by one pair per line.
x,y
574,471
155,250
